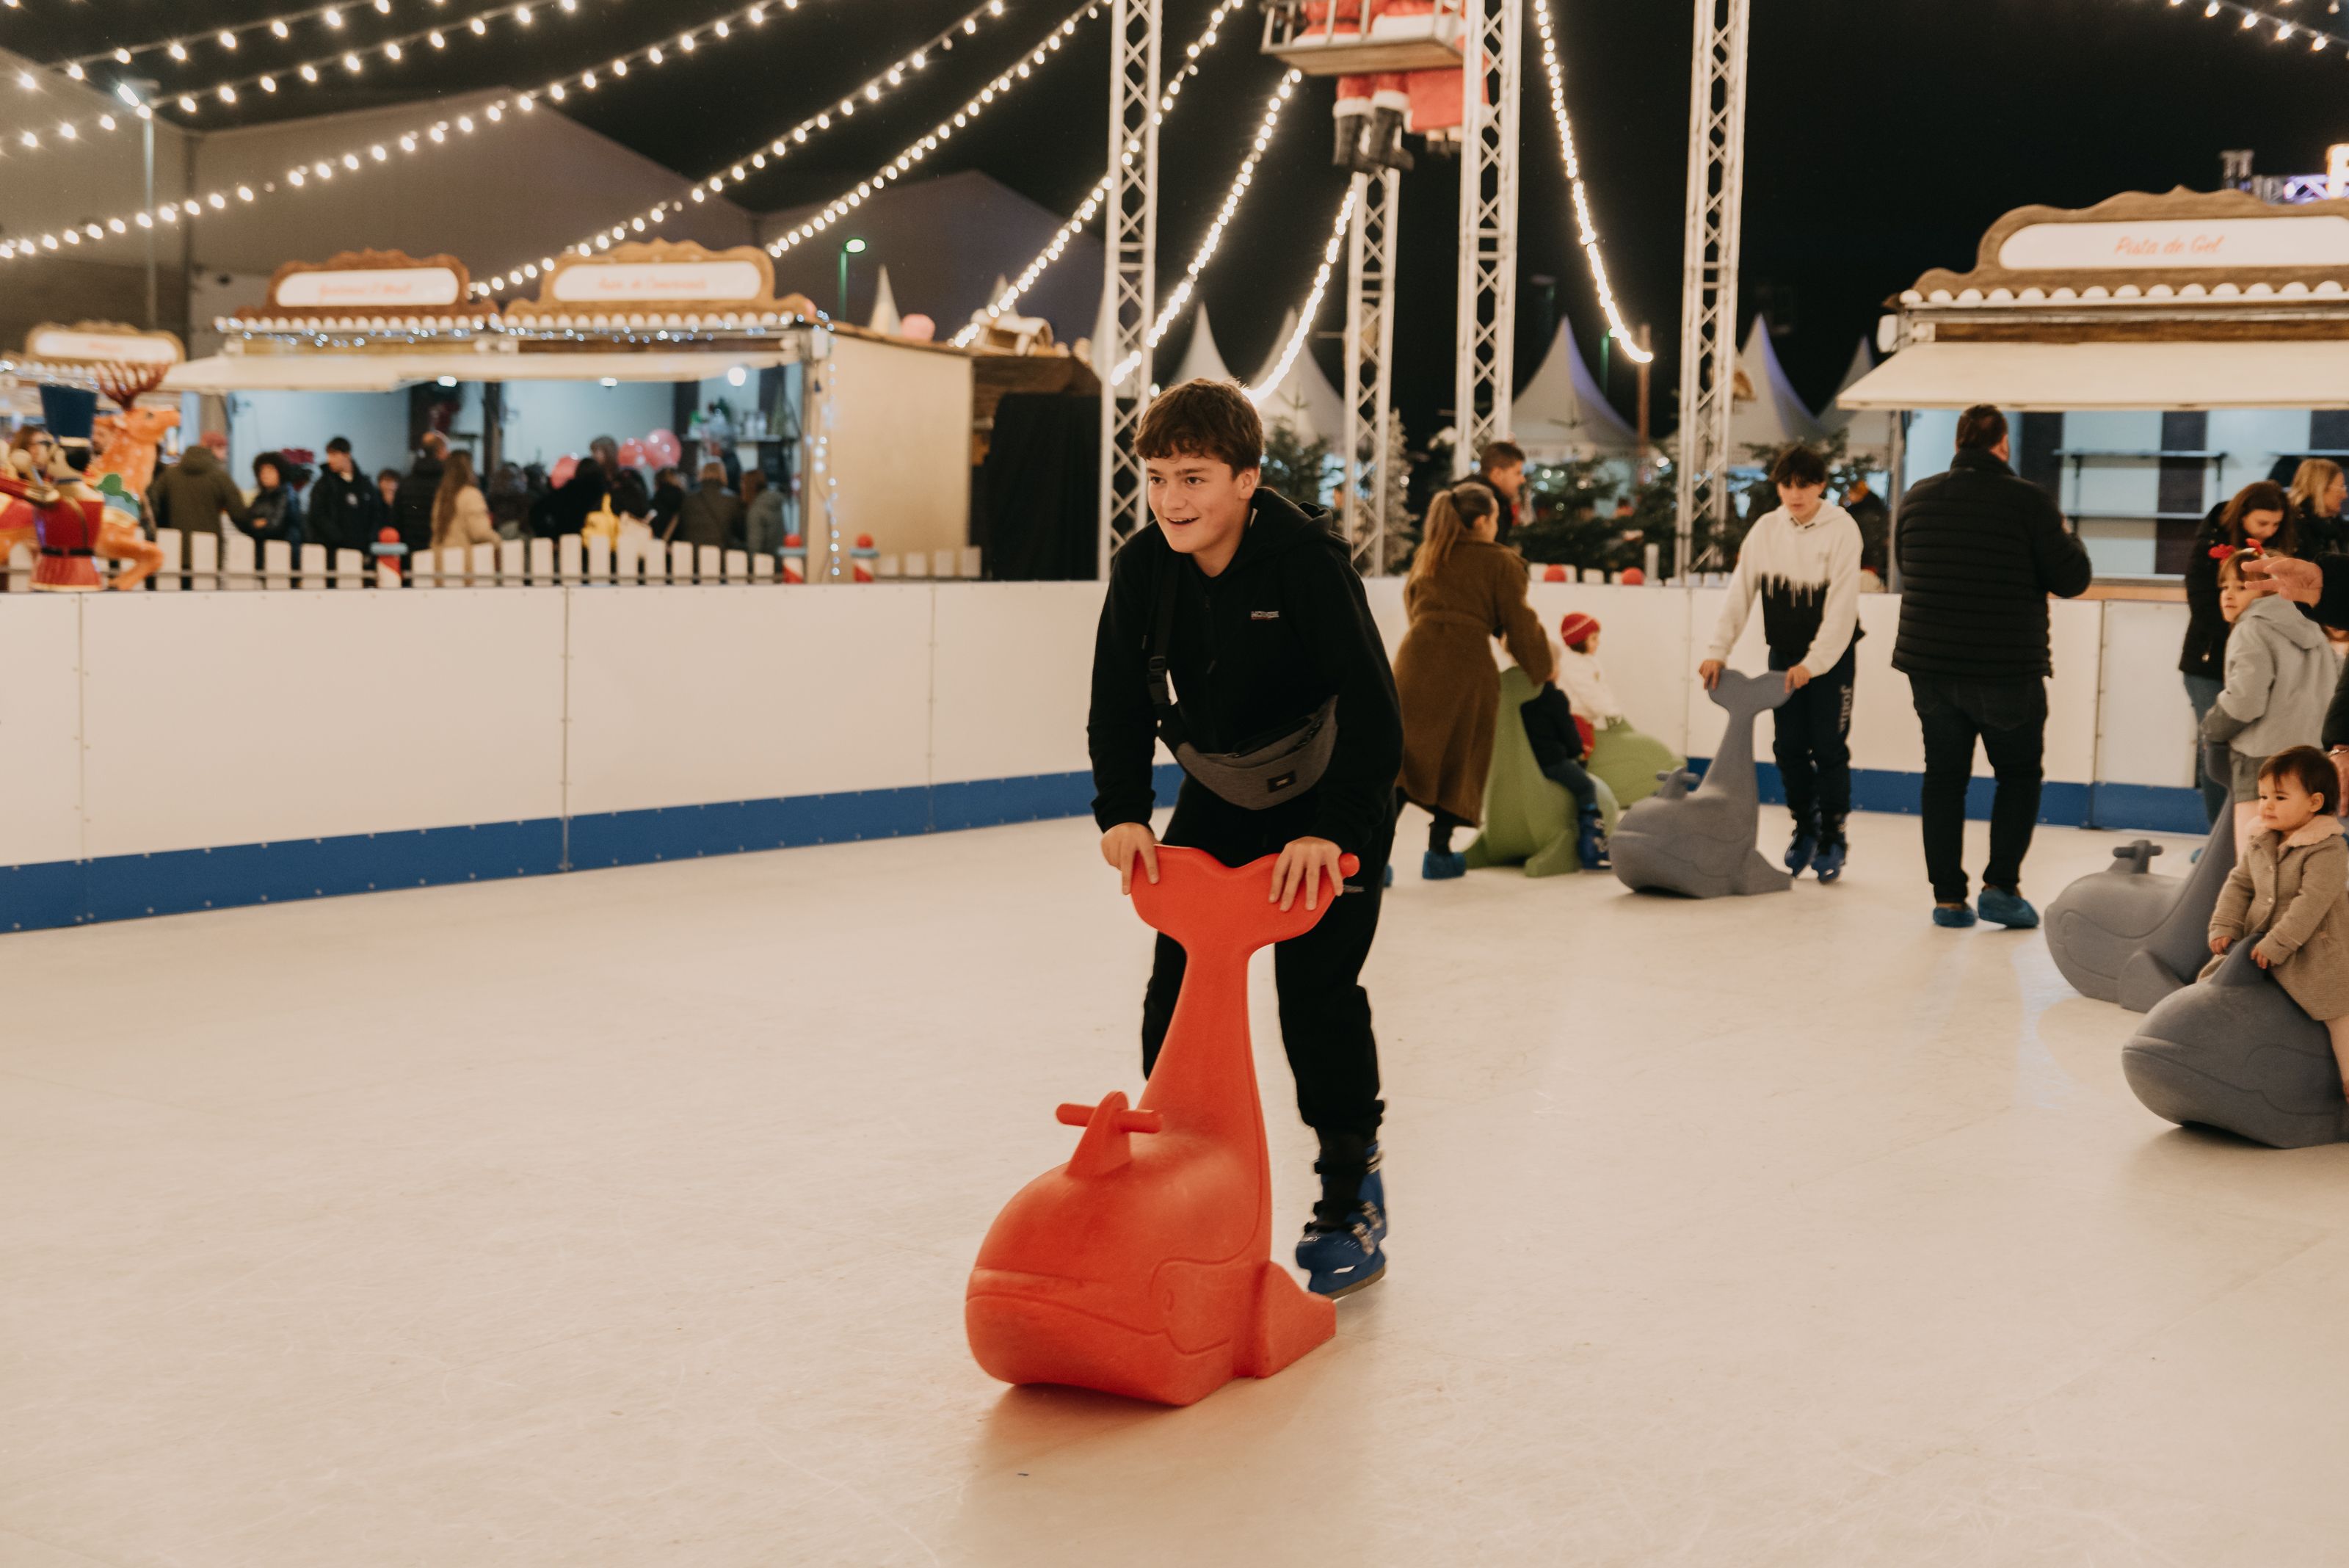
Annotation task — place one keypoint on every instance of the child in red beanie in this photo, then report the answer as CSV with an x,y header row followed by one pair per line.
x,y
1559,749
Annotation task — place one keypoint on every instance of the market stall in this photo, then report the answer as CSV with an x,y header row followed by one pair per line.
x,y
2159,350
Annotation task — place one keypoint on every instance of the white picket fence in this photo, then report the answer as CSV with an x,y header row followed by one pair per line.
x,y
208,562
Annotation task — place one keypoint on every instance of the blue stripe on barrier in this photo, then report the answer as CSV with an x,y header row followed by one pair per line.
x,y
130,887
2140,808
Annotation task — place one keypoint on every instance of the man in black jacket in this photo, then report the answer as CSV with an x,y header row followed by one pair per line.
x,y
345,509
1980,551
1269,624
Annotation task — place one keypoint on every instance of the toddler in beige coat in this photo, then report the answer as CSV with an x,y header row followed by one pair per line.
x,y
2292,884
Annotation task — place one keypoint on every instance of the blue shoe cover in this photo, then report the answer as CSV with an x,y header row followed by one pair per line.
x,y
1955,920
2009,910
1442,867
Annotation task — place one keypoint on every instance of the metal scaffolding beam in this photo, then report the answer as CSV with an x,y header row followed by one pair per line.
x,y
1491,101
1716,194
1130,274
1370,355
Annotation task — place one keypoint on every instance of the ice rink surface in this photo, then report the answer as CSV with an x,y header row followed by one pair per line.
x,y
623,1218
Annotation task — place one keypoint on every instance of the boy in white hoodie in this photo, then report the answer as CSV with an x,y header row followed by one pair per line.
x,y
1802,561
2280,677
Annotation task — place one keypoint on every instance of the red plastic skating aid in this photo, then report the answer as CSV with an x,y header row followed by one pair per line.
x,y
1143,1266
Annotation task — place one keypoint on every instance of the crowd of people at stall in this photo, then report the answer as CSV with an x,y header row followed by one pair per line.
x,y
440,499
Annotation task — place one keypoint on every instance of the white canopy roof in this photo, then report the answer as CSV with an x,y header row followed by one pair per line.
x,y
2055,377
1202,360
1771,416
1304,401
391,371
1563,414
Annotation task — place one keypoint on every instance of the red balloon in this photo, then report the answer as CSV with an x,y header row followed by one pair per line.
x,y
1633,576
632,454
662,447
1554,574
565,467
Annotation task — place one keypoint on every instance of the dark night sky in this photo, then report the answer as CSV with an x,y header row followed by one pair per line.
x,y
1884,136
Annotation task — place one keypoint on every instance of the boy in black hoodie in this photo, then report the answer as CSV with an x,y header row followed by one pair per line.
x,y
1269,624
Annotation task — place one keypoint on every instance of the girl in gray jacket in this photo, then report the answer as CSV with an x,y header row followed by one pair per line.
x,y
2280,677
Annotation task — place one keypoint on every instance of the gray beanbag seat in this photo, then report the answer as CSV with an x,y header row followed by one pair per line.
x,y
1702,842
2127,935
2237,1054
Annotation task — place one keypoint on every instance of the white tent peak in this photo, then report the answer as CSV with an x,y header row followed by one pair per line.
x,y
885,307
1304,400
1203,360
1766,412
1869,433
1563,415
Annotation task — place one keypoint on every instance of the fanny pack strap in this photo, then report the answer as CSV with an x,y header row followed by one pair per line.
x,y
1171,728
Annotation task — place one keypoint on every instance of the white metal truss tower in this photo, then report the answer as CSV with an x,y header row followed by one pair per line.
x,y
1130,273
1716,193
1370,355
1490,108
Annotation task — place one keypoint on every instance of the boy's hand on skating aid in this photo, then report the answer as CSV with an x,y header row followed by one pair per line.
x,y
1120,846
1303,864
1710,673
1798,676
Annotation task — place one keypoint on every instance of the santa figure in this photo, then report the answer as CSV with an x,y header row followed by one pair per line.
x,y
28,458
1376,109
71,522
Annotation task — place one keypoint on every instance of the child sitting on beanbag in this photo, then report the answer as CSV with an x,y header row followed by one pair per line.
x,y
2292,884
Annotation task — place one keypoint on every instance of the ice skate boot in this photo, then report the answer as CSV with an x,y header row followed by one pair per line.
x,y
1344,1245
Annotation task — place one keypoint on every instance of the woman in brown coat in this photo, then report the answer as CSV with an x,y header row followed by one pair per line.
x,y
1464,590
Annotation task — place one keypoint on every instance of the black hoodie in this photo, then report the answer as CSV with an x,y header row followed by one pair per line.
x,y
1255,652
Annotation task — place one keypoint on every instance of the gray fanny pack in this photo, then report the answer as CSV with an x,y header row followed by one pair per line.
x,y
1264,771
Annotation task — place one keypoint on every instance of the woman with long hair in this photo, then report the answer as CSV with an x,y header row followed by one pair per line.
x,y
2319,492
1464,590
460,514
2260,516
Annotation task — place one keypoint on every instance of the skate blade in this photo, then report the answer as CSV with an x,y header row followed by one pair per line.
x,y
1363,1284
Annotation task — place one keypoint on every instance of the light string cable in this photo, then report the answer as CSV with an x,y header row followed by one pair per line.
x,y
353,160
322,68
1181,296
1616,326
2283,29
1091,207
280,27
892,77
898,167
1296,344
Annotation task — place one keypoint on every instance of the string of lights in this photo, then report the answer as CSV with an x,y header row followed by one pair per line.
x,y
893,77
1589,228
1296,344
922,147
354,160
1091,207
1181,296
326,69
2282,29
227,39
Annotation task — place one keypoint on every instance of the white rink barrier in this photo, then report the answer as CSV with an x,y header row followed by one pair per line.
x,y
230,561
198,749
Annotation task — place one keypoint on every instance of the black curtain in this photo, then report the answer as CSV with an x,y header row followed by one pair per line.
x,y
1040,492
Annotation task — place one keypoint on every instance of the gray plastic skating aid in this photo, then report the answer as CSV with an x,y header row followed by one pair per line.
x,y
2128,936
2237,1054
1702,842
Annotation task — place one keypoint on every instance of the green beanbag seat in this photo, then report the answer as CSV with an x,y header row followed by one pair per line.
x,y
1529,820
1629,762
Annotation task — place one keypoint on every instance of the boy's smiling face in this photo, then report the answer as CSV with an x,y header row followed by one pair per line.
x,y
1202,507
